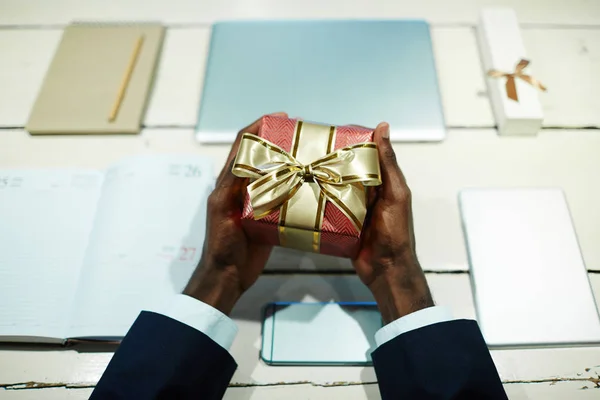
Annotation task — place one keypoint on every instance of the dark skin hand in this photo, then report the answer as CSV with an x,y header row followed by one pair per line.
x,y
230,263
386,262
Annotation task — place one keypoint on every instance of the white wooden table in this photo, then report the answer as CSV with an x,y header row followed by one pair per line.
x,y
563,40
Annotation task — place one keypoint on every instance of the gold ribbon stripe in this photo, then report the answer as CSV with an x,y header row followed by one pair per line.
x,y
267,144
284,208
248,168
304,212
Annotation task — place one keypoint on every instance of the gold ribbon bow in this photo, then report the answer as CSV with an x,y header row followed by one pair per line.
x,y
511,87
299,190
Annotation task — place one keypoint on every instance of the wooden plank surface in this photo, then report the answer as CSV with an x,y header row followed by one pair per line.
x,y
40,12
562,38
180,75
48,366
567,61
175,99
572,390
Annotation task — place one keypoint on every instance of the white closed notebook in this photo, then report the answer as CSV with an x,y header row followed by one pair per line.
x,y
529,281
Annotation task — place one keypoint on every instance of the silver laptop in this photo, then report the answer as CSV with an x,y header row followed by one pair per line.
x,y
529,280
338,72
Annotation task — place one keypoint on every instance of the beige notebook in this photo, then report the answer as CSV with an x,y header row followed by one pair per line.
x,y
99,80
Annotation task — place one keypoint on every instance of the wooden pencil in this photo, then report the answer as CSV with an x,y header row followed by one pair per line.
x,y
126,78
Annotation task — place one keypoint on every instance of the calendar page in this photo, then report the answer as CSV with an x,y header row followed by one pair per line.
x,y
45,221
146,241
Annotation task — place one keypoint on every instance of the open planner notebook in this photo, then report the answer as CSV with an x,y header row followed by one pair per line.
x,y
82,251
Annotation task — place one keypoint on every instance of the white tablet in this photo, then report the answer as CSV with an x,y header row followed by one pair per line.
x,y
529,281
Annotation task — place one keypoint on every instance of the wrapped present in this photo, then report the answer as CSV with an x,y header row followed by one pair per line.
x,y
513,88
308,188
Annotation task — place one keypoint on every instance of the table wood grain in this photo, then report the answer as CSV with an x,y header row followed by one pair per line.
x,y
563,41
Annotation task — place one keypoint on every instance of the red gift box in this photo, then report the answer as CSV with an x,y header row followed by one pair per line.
x,y
339,236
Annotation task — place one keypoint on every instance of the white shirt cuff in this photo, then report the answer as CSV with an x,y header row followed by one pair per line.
x,y
416,320
198,315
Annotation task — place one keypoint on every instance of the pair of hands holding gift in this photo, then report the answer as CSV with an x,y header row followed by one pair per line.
x,y
386,262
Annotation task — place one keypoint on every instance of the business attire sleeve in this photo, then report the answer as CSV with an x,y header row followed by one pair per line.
x,y
429,355
181,353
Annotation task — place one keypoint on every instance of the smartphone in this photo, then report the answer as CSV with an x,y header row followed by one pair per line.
x,y
319,333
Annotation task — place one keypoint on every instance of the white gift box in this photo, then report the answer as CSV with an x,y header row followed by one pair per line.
x,y
502,48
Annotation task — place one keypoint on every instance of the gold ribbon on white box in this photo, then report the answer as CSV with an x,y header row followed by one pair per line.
x,y
511,85
299,183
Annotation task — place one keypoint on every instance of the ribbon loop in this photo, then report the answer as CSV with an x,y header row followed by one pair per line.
x,y
278,175
511,88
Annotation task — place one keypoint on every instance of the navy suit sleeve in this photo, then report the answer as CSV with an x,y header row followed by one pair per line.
x,y
161,358
448,360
